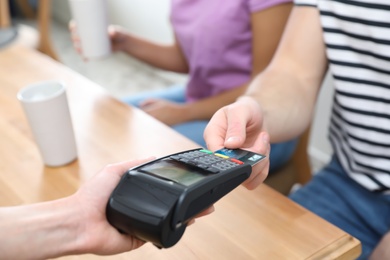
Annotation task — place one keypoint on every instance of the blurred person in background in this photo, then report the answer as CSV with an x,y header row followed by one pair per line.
x,y
222,45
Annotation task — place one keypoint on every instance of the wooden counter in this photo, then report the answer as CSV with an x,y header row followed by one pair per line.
x,y
259,224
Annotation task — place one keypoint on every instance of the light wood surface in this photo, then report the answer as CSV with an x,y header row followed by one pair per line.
x,y
259,224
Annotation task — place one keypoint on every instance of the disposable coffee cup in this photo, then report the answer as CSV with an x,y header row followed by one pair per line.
x,y
46,108
91,18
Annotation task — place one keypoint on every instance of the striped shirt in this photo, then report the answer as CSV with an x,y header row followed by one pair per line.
x,y
357,38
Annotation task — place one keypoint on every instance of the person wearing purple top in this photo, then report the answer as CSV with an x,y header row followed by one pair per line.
x,y
222,45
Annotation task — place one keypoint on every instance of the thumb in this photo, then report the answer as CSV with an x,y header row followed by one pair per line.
x,y
236,128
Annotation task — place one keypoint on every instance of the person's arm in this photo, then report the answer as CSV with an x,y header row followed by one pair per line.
x,y
281,99
163,56
267,28
382,250
73,225
287,90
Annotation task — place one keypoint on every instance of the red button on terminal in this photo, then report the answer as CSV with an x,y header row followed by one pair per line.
x,y
236,161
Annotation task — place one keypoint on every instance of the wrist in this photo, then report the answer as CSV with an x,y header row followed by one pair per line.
x,y
61,227
45,230
74,221
189,112
120,39
126,43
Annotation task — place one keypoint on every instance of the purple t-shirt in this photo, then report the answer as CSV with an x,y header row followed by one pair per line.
x,y
216,38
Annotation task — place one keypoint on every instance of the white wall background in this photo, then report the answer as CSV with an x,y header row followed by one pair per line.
x,y
320,149
150,19
146,18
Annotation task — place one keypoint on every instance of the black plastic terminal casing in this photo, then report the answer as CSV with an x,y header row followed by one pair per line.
x,y
157,210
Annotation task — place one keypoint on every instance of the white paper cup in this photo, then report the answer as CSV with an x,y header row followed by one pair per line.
x,y
91,18
46,107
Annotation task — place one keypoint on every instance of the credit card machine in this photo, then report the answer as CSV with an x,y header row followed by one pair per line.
x,y
154,201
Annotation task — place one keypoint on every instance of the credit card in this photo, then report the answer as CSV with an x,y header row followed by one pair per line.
x,y
242,155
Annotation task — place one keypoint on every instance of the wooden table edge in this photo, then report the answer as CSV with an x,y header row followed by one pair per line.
x,y
346,248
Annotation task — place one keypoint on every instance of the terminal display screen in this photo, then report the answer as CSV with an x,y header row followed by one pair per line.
x,y
175,171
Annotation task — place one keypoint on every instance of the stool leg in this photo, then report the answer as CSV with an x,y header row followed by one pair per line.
x,y
44,19
4,14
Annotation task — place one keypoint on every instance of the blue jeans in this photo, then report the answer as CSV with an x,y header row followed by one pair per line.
x,y
334,196
280,152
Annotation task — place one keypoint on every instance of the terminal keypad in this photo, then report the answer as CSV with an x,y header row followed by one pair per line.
x,y
207,160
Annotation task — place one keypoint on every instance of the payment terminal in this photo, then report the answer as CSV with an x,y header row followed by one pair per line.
x,y
154,201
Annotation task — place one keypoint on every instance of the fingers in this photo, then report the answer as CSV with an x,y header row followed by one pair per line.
x,y
245,121
258,178
259,171
112,30
120,38
236,131
76,39
207,211
215,131
234,125
239,125
121,167
73,32
111,174
71,25
261,144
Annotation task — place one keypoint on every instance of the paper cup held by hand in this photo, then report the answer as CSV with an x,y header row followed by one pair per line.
x,y
91,18
46,107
